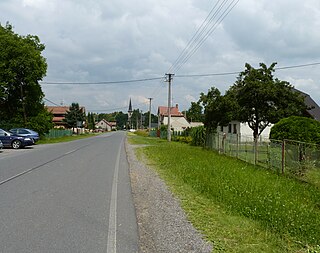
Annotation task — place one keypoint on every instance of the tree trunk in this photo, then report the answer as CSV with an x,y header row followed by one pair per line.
x,y
23,105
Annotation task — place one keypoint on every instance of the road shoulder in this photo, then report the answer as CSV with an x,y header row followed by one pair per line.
x,y
163,226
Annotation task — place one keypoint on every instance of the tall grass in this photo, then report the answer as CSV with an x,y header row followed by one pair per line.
x,y
282,205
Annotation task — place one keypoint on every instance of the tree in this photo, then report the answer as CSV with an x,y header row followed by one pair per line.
x,y
298,129
91,121
218,109
262,99
194,113
74,115
21,67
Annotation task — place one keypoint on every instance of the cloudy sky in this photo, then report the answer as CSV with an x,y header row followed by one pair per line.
x,y
98,41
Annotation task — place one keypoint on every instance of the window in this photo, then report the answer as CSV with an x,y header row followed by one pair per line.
x,y
235,128
230,128
221,128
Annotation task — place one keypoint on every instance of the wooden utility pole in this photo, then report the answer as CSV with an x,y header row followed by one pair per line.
x,y
150,114
169,106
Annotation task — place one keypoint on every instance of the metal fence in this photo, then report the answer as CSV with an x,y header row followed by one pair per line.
x,y
57,133
283,156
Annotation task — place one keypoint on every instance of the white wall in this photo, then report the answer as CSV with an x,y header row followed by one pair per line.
x,y
177,123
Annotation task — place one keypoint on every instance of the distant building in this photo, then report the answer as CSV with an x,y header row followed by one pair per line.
x,y
177,120
106,125
59,114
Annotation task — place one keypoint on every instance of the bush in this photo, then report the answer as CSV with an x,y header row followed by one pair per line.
x,y
297,128
198,136
144,133
184,139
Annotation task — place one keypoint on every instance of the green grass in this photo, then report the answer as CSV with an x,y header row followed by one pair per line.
x,y
239,207
64,139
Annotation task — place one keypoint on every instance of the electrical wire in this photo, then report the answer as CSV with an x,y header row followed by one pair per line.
x,y
194,37
50,101
108,82
218,12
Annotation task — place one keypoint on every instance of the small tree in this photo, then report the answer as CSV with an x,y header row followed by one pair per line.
x,y
218,109
74,115
194,113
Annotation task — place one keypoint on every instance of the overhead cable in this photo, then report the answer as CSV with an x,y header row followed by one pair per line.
x,y
108,82
218,12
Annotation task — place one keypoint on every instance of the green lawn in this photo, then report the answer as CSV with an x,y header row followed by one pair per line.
x,y
238,207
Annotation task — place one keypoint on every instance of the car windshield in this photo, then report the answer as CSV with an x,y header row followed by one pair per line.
x,y
4,133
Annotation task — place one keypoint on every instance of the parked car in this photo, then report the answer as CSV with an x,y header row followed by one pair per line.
x,y
13,140
25,132
1,145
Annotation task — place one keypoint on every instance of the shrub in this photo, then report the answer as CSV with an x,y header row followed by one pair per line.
x,y
298,129
144,133
198,136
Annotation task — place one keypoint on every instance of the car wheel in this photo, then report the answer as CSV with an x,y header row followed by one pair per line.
x,y
16,144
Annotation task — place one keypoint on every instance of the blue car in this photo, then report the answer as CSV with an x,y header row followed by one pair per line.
x,y
25,132
14,141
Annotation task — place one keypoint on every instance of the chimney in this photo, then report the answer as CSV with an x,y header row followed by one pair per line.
x,y
177,106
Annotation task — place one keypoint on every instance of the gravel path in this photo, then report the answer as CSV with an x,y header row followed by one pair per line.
x,y
163,226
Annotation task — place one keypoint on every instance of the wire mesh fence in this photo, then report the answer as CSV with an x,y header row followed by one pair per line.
x,y
286,156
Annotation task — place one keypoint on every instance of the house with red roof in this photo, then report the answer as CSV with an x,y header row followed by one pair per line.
x,y
177,120
59,114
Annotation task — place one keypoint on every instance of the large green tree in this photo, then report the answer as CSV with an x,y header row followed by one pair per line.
x,y
21,68
262,99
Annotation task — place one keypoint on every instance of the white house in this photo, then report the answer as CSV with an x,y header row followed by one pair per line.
x,y
242,130
177,120
105,125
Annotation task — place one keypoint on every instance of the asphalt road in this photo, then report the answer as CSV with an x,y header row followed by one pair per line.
x,y
67,197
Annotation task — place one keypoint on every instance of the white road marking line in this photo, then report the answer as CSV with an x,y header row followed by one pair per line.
x,y
112,229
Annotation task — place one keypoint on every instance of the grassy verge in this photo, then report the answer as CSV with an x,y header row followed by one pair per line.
x,y
64,138
239,207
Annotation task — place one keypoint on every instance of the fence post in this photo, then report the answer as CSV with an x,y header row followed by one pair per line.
x,y
238,140
283,156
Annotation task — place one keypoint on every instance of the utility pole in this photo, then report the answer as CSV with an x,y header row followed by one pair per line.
x,y
150,114
169,106
141,124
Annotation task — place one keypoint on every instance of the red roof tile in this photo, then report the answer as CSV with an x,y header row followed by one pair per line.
x,y
163,110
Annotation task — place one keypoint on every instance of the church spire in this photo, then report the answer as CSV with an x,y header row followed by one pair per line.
x,y
130,109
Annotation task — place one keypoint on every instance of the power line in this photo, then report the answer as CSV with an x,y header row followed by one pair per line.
x,y
204,31
191,41
115,109
50,101
108,82
179,76
238,72
208,33
298,66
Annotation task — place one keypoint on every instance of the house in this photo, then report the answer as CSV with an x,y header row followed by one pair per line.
x,y
245,132
314,110
59,114
106,125
177,120
196,124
